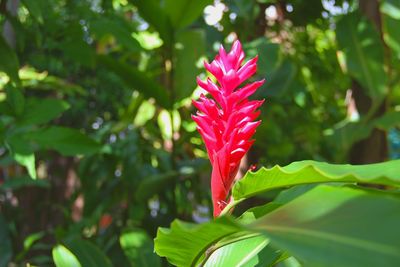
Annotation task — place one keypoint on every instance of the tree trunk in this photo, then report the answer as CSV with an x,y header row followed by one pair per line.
x,y
374,148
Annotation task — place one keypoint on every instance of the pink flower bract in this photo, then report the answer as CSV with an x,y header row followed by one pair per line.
x,y
227,120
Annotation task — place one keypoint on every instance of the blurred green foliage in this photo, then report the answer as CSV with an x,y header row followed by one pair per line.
x,y
97,147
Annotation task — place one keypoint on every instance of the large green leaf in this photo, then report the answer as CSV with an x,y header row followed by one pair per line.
x,y
67,141
363,50
308,171
241,253
5,244
337,226
39,111
138,248
189,48
185,243
137,80
88,254
184,12
9,61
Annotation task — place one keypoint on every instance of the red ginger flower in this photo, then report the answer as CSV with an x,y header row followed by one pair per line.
x,y
226,122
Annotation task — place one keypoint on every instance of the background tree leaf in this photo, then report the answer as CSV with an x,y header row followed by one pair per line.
x,y
182,13
38,111
363,51
67,141
9,61
137,80
139,248
189,48
87,253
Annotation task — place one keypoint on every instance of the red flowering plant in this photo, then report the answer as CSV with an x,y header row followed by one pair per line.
x,y
227,120
312,220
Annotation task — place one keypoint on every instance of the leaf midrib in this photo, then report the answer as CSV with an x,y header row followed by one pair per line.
x,y
350,241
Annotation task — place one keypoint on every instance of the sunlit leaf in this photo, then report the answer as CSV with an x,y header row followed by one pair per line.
x,y
337,226
64,258
307,172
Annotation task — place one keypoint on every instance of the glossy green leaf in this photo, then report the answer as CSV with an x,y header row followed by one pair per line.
x,y
88,254
5,244
38,111
240,253
189,47
138,248
363,51
182,13
307,172
67,141
337,226
9,61
184,244
62,257
137,80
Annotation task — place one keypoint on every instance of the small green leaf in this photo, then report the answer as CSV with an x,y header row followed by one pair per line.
x,y
22,153
307,172
28,161
337,226
64,258
138,248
